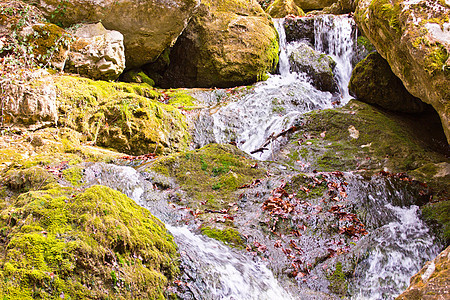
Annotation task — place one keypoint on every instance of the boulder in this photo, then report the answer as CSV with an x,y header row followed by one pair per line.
x,y
414,38
300,29
373,82
97,53
432,281
318,66
227,43
313,4
29,100
282,8
148,27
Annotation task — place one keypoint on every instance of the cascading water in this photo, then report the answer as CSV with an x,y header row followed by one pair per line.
x,y
212,270
276,104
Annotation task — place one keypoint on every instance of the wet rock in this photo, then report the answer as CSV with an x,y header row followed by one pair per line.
x,y
227,43
282,8
432,281
373,82
97,53
300,29
413,36
318,66
154,27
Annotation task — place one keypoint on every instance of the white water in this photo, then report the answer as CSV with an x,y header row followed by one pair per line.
x,y
215,271
276,104
397,251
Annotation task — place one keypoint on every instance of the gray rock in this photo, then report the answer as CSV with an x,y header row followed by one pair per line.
x,y
318,66
97,53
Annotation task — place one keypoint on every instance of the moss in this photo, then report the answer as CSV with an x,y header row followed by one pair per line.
x,y
212,173
439,215
121,116
180,98
74,175
63,242
338,283
305,186
364,42
228,236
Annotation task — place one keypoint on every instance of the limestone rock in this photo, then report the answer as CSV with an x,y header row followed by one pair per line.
x,y
30,101
373,82
148,27
432,281
313,4
300,29
282,8
318,66
227,43
414,37
97,53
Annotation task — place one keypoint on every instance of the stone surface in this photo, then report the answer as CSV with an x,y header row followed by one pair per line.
x,y
313,4
413,37
227,43
432,282
30,102
148,27
373,82
97,53
282,8
300,29
318,66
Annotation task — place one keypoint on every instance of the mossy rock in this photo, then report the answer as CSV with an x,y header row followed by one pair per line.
x,y
228,236
283,8
211,174
361,137
438,214
123,116
96,244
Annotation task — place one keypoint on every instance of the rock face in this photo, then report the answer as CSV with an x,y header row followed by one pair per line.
x,y
282,8
313,4
414,37
318,66
148,27
29,103
373,82
97,53
300,29
227,43
432,281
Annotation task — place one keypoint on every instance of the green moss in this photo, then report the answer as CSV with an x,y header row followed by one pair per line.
x,y
228,236
305,186
121,116
213,172
74,175
180,98
439,214
364,42
63,242
338,283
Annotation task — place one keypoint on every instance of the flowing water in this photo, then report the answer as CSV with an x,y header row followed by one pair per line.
x,y
276,104
398,243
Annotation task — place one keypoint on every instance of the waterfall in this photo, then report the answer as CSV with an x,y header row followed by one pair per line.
x,y
277,104
212,270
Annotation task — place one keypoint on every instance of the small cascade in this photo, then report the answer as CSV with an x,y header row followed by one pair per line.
x,y
394,252
212,270
335,36
275,105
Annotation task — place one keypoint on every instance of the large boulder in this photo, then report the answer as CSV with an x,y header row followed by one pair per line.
x,y
432,281
148,27
282,8
373,82
300,29
318,66
97,53
227,43
414,37
313,4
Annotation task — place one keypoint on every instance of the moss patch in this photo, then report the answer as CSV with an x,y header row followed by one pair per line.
x,y
212,173
439,215
338,283
228,236
122,116
94,244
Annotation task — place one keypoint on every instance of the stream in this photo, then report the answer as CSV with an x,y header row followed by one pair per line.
x,y
398,242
